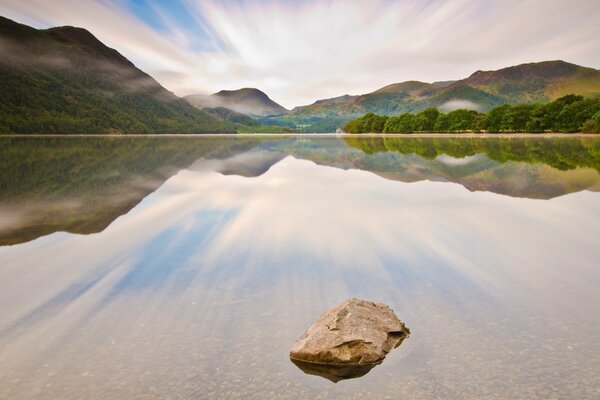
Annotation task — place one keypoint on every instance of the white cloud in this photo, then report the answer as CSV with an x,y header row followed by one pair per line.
x,y
298,52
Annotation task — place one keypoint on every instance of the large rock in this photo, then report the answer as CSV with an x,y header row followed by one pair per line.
x,y
348,340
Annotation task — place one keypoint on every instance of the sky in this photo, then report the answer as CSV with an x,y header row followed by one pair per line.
x,y
299,51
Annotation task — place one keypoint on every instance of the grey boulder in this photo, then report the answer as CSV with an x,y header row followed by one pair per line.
x,y
348,340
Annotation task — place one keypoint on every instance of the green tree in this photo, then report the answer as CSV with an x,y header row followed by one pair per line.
x,y
368,123
552,110
592,125
535,124
426,119
574,115
516,118
493,119
441,124
378,123
461,120
405,123
479,122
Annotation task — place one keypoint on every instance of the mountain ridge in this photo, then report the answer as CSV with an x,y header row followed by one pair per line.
x,y
482,90
94,88
250,101
97,90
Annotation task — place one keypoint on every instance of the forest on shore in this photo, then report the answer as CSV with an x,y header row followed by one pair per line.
x,y
568,114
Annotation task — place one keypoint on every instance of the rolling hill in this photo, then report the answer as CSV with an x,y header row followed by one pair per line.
x,y
94,89
64,80
483,90
248,101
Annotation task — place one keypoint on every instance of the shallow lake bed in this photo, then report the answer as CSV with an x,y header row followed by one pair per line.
x,y
186,267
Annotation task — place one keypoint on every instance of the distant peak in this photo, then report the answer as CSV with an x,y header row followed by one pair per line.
x,y
9,22
443,84
74,33
13,29
70,29
334,99
241,91
250,101
406,86
554,69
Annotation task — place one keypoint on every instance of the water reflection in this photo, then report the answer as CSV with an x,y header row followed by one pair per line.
x,y
199,290
335,373
81,185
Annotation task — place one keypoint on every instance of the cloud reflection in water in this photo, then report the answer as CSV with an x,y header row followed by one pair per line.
x,y
211,274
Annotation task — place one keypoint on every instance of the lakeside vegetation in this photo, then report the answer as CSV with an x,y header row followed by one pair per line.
x,y
243,123
564,153
567,114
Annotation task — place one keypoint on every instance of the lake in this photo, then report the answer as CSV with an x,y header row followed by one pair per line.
x,y
186,267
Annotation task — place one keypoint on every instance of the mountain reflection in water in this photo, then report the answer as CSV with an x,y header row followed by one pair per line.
x,y
202,283
82,184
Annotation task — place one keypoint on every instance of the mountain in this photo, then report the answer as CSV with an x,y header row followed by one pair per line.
x,y
227,114
248,101
536,82
64,80
94,89
483,90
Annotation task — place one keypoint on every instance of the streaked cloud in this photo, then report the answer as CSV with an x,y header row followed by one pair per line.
x,y
301,51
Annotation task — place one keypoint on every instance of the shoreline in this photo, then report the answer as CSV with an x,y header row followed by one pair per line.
x,y
337,135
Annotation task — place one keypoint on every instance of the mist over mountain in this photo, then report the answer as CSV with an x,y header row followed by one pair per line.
x,y
248,101
94,89
64,80
483,90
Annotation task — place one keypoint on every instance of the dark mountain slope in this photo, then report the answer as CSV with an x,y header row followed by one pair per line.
x,y
64,80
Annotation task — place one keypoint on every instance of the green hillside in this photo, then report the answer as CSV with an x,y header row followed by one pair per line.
x,y
567,114
243,123
535,82
527,83
64,80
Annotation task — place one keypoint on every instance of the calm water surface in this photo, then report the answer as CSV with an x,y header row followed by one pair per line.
x,y
187,267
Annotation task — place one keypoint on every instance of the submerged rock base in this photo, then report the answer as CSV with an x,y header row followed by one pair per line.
x,y
334,372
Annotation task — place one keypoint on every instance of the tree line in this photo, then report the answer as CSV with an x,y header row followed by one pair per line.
x,y
564,153
571,113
